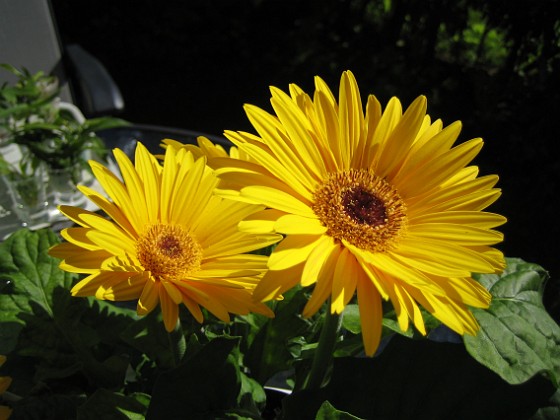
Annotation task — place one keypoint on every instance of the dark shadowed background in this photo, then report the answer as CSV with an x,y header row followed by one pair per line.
x,y
493,65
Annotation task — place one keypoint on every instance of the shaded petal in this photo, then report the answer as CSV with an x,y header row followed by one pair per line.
x,y
169,309
274,283
193,308
128,289
84,261
96,283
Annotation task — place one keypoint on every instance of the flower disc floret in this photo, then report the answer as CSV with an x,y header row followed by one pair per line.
x,y
362,209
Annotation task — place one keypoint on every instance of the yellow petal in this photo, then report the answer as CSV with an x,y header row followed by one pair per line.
x,y
459,234
446,253
293,224
483,220
371,315
317,259
115,244
439,169
292,250
85,261
261,221
351,117
112,211
149,298
274,283
399,141
344,280
277,199
128,289
149,172
193,308
169,309
134,185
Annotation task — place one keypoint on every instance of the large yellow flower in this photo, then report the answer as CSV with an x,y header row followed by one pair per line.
x,y
379,203
170,240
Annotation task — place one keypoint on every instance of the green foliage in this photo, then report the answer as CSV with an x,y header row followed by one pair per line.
x,y
518,339
82,358
328,412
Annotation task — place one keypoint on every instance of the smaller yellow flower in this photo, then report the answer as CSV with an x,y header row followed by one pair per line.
x,y
5,382
168,240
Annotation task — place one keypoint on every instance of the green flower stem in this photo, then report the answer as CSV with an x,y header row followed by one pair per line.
x,y
324,352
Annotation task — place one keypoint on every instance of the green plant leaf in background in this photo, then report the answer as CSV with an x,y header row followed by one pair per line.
x,y
27,275
206,385
149,336
517,339
269,352
328,412
104,404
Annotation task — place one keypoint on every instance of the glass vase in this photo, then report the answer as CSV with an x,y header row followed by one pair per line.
x,y
63,185
28,194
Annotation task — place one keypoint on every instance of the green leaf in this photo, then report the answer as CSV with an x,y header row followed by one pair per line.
x,y
149,336
420,379
60,335
269,352
27,275
252,397
351,319
31,272
104,404
328,412
517,339
204,386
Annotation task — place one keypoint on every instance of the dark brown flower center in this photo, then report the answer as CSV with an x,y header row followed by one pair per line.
x,y
359,207
364,207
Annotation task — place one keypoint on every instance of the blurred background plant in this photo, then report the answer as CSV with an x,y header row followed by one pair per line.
x,y
47,130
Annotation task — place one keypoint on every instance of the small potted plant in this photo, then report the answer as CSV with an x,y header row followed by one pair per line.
x,y
49,131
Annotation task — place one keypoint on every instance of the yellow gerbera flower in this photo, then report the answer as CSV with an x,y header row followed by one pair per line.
x,y
170,240
5,382
378,203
